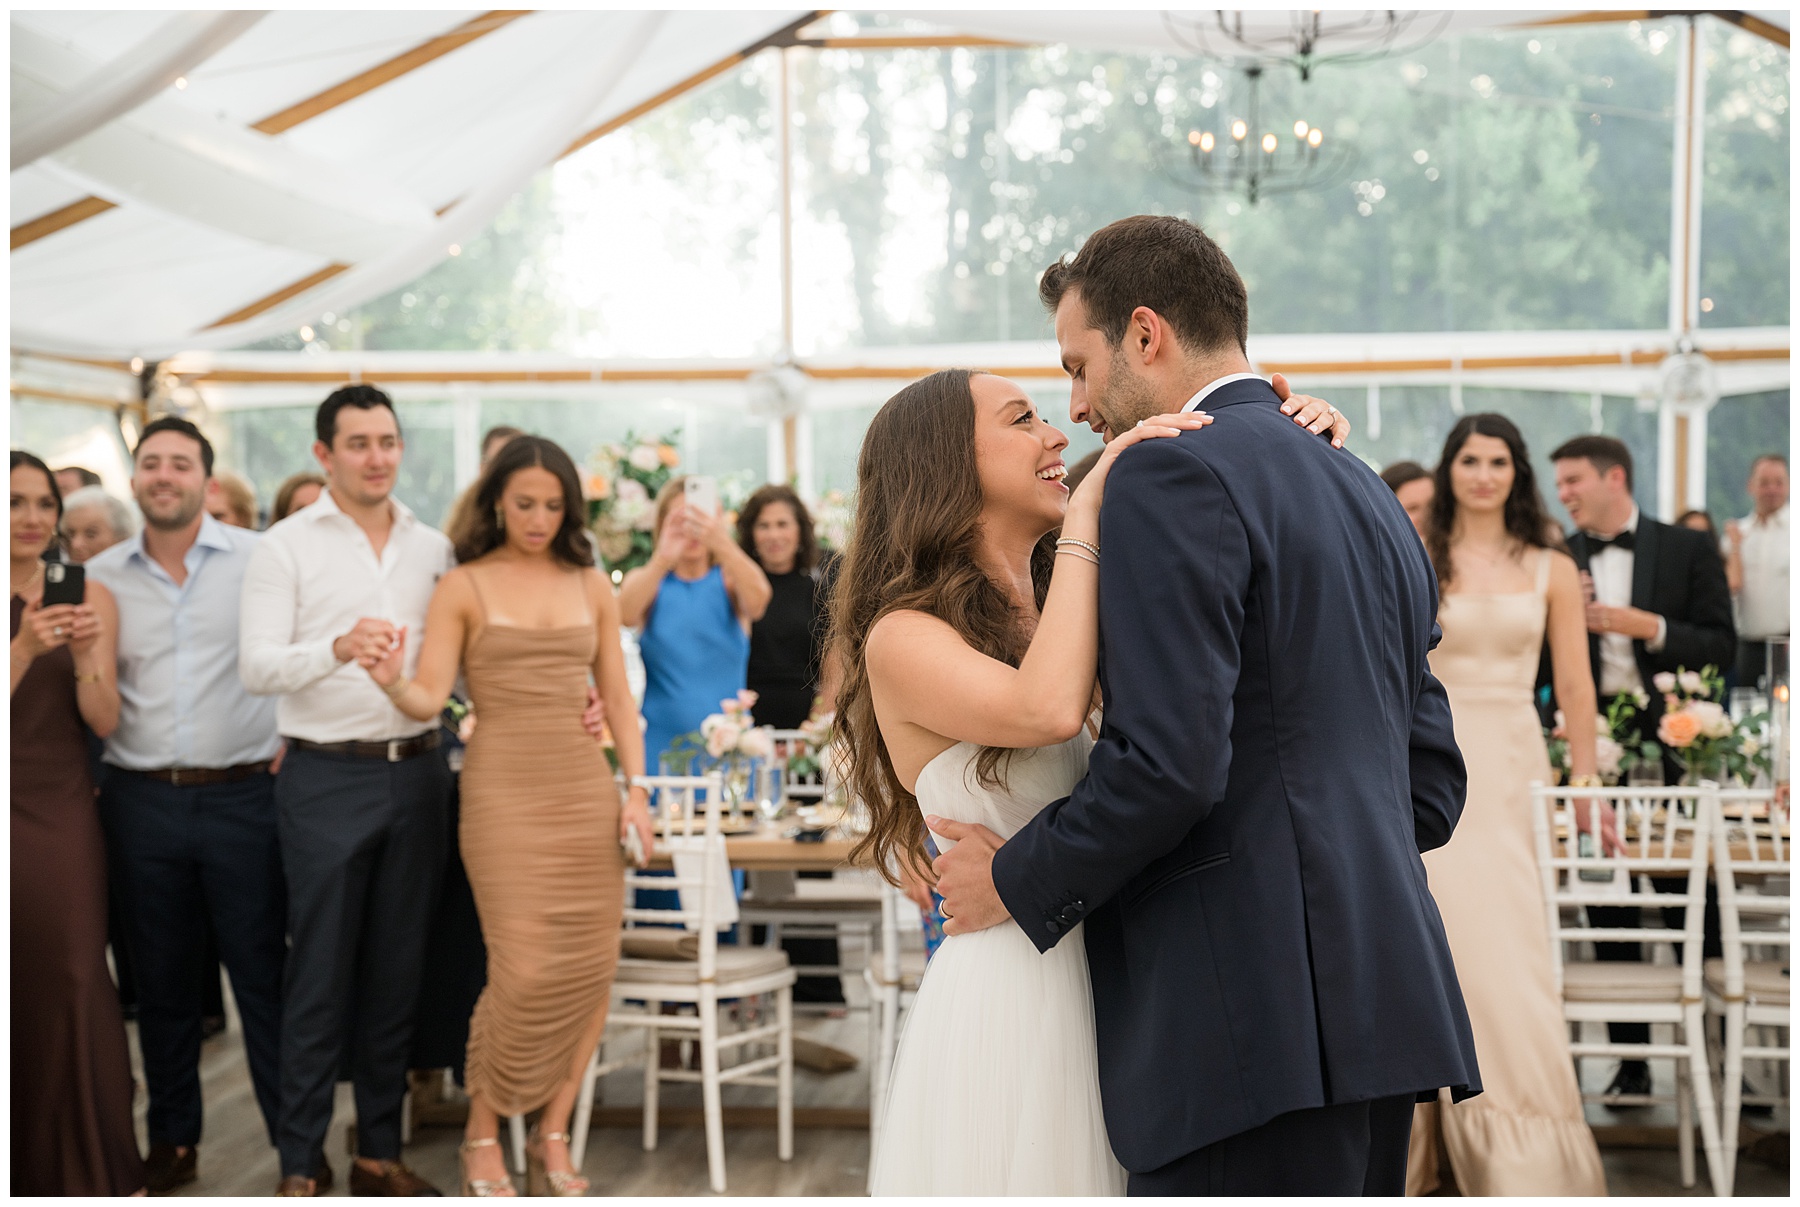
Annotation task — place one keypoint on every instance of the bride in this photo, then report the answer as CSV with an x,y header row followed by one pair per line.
x,y
969,634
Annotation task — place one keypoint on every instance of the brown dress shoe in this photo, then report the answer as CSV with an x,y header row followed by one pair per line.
x,y
167,1167
324,1179
393,1181
296,1186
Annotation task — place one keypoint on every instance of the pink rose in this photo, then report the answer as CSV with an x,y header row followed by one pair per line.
x,y
1664,682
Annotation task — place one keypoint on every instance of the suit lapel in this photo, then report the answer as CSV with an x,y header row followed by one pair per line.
x,y
1643,563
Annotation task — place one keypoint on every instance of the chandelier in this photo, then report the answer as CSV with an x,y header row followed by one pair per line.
x,y
1244,157
1303,40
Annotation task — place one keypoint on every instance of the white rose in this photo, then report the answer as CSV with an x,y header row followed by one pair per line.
x,y
1714,721
1664,681
1692,683
1608,755
1749,746
1641,699
755,744
634,513
723,739
645,458
630,490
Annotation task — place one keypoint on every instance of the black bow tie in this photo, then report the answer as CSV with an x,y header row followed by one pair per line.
x,y
1626,540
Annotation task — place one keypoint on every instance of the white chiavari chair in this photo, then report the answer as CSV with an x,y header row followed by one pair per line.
x,y
1666,832
689,967
1746,989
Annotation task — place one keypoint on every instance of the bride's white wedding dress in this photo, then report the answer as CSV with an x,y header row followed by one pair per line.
x,y
996,1089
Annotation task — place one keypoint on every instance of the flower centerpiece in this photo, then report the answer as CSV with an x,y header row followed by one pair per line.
x,y
1617,747
831,520
623,481
729,739
1700,734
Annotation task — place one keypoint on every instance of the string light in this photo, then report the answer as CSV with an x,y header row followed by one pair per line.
x,y
137,364
456,249
306,334
180,82
1239,129
1206,141
1269,144
1300,129
1314,137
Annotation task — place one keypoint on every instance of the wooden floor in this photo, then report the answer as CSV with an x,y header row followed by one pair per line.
x,y
236,1159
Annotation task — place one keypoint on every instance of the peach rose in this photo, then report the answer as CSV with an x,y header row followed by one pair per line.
x,y
670,457
1678,729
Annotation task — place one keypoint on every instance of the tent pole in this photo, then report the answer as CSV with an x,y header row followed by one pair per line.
x,y
790,428
1683,482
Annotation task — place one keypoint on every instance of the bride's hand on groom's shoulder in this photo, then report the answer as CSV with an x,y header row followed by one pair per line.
x,y
1314,414
966,876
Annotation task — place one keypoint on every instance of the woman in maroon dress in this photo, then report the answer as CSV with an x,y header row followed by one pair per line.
x,y
71,1069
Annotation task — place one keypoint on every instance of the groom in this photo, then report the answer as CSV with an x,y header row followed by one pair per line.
x,y
1272,986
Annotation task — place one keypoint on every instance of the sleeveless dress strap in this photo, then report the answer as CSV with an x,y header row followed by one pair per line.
x,y
480,600
1543,570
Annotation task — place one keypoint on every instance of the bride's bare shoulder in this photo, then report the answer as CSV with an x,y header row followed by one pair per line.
x,y
899,636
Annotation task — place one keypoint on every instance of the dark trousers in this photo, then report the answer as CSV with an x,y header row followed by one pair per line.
x,y
362,842
1357,1148
184,859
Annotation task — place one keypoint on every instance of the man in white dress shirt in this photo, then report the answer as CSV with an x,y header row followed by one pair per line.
x,y
189,805
1760,541
1659,603
363,792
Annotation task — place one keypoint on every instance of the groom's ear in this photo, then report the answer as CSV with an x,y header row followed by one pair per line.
x,y
1147,336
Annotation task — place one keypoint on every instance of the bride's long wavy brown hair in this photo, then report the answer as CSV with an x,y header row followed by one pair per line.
x,y
912,546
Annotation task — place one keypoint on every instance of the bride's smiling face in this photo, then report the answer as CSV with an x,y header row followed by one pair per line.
x,y
1018,455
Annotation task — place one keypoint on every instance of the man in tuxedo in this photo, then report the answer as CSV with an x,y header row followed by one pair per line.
x,y
1272,986
1659,602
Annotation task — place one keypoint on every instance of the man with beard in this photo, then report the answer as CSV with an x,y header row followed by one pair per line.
x,y
189,805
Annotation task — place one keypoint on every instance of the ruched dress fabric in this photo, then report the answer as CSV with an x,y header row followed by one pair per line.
x,y
540,838
71,1068
996,1086
1525,1133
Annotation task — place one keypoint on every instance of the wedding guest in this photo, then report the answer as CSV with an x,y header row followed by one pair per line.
x,y
71,478
460,521
1700,521
231,500
1503,590
71,1068
696,599
1414,486
299,490
189,805
1759,548
93,521
362,791
787,654
529,618
1658,601
789,667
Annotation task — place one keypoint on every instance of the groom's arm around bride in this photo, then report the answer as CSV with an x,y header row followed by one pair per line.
x,y
1272,986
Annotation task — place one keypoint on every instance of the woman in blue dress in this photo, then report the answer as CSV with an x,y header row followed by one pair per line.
x,y
696,600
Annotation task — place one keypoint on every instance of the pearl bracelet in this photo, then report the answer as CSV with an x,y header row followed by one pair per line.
x,y
1076,541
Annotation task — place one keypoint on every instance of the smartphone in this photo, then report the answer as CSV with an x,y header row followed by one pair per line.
x,y
64,584
703,494
633,847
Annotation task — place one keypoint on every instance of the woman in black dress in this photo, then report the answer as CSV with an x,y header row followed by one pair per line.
x,y
787,662
71,1069
787,644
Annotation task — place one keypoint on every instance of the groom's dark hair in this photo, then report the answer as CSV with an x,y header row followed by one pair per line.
x,y
1167,264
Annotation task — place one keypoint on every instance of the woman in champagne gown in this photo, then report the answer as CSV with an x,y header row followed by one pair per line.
x,y
528,619
1525,1133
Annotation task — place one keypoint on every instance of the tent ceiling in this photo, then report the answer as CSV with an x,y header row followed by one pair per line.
x,y
316,159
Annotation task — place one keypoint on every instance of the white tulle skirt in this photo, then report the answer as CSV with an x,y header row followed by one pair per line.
x,y
995,1089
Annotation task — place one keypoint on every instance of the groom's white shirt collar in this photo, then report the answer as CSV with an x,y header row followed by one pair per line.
x,y
1214,384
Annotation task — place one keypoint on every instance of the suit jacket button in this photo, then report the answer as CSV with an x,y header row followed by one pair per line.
x,y
1053,926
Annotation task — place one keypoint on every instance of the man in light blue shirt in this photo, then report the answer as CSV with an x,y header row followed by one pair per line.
x,y
189,805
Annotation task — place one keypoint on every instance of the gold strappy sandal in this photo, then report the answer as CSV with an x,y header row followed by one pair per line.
x,y
540,1180
483,1188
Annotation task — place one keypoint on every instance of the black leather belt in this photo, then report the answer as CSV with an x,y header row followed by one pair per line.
x,y
197,777
395,750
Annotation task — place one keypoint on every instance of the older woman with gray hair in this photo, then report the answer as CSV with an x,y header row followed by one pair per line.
x,y
94,520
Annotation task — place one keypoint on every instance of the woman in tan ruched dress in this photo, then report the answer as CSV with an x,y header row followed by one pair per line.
x,y
1525,1133
528,619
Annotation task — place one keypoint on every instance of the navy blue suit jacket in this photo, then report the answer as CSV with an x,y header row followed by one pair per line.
x,y
1275,754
